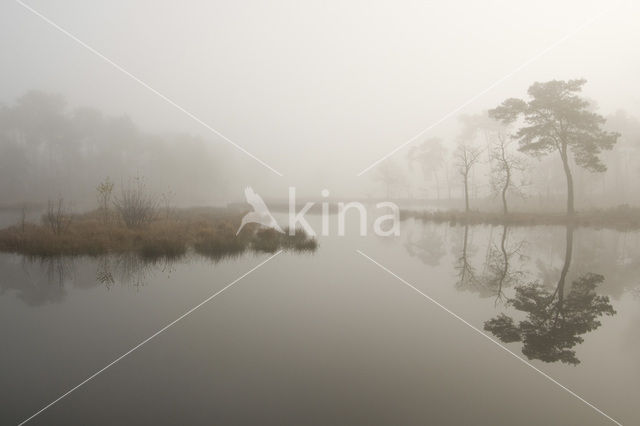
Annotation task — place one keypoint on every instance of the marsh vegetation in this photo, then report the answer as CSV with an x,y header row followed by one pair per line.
x,y
208,231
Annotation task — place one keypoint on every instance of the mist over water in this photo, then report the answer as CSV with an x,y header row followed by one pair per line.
x,y
292,334
155,267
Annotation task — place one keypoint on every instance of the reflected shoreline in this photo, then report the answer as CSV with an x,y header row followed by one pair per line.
x,y
40,280
550,314
620,218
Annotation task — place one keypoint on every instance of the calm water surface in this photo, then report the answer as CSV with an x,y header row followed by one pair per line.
x,y
329,337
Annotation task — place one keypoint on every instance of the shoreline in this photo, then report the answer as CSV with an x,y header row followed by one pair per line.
x,y
619,218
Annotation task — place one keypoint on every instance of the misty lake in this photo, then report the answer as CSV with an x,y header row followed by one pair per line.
x,y
331,338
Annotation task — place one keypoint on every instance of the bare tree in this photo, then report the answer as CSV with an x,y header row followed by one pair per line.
x,y
136,205
104,194
504,166
466,157
57,217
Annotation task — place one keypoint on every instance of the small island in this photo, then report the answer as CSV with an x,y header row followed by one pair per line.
x,y
133,221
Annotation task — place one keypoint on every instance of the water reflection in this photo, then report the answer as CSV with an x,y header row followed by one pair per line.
x,y
426,244
130,269
58,270
466,273
499,273
558,307
36,281
555,321
547,308
41,280
496,273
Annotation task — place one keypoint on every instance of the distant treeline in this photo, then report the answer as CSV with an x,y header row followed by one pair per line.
x,y
48,150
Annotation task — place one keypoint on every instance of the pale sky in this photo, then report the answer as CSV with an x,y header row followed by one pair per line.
x,y
318,90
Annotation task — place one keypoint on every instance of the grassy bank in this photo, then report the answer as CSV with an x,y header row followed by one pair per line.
x,y
207,231
622,218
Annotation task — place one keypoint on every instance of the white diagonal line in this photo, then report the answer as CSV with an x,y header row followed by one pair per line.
x,y
458,317
145,85
163,329
489,88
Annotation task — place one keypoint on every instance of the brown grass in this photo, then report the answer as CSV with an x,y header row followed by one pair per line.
x,y
270,241
207,231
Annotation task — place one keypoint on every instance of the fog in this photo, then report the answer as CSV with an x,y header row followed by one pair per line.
x,y
464,248
317,90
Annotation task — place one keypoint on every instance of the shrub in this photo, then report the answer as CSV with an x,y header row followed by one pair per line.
x,y
136,206
57,217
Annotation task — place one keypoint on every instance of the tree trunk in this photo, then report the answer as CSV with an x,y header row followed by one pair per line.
x,y
505,259
466,192
465,262
567,172
567,262
507,179
505,210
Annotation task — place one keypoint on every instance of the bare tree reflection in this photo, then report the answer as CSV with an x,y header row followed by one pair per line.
x,y
130,269
555,320
37,281
466,272
58,269
499,273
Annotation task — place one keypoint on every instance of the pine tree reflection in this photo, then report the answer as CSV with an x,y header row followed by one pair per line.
x,y
555,320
